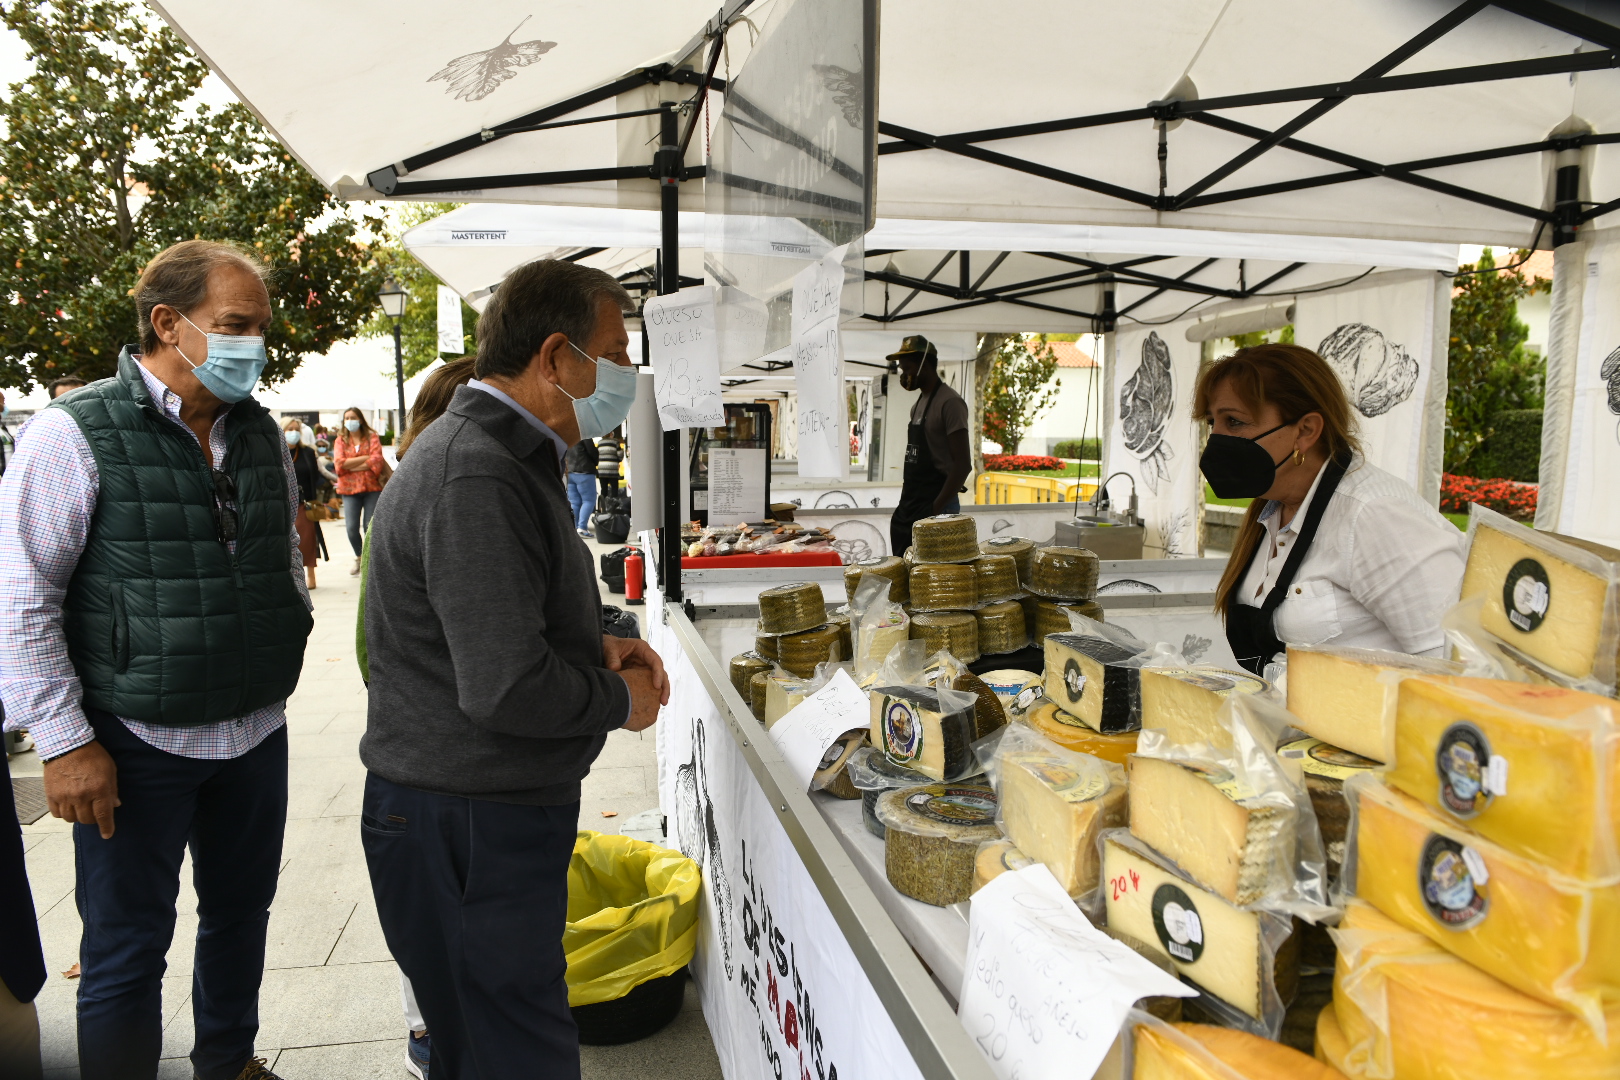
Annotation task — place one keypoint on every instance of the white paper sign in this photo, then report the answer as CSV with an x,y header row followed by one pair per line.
x,y
818,369
1044,992
806,731
685,354
736,485
452,338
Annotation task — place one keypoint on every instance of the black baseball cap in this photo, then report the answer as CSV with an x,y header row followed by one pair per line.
x,y
915,345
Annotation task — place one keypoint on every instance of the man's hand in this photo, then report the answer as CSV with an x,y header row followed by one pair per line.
x,y
646,696
81,786
620,653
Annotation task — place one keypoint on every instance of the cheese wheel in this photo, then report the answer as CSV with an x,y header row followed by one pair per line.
x,y
957,632
1404,1007
995,858
1212,943
943,587
1204,1052
1054,806
801,652
1346,697
1064,573
891,567
1213,826
996,577
1545,597
1552,937
1533,768
790,609
988,713
1052,616
871,771
832,774
846,647
765,645
1185,703
1020,549
1069,733
908,725
1001,627
944,538
1326,768
1007,682
932,835
757,691
1089,678
744,666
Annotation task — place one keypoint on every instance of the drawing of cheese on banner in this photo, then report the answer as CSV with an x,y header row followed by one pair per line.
x,y
1154,439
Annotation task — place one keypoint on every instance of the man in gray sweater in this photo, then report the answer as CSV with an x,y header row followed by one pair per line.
x,y
492,686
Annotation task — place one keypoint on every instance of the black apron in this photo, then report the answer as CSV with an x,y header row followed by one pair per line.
x,y
1250,630
919,483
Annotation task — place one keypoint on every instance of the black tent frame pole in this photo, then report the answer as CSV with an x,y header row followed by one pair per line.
x,y
667,163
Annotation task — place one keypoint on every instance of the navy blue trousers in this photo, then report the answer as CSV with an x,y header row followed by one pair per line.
x,y
473,897
231,814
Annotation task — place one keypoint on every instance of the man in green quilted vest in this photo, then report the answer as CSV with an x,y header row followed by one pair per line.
x,y
153,616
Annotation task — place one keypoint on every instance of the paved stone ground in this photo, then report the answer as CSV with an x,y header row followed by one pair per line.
x,y
330,1005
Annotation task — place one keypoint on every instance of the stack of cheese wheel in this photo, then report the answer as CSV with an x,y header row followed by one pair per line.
x,y
943,587
1021,550
745,666
957,632
891,567
791,609
800,653
996,577
1001,627
1064,573
757,691
1493,834
765,645
1052,616
951,538
846,647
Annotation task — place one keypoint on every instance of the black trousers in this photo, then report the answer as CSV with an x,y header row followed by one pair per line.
x,y
473,896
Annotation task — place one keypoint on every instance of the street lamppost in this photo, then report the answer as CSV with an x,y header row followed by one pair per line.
x,y
392,299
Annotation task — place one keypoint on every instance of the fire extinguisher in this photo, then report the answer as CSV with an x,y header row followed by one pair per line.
x,y
634,578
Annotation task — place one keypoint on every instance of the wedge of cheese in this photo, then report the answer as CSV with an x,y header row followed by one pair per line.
x,y
1211,943
1054,806
1069,733
1535,769
1552,937
1544,595
1185,703
1087,678
1331,1047
781,695
1338,696
908,725
996,858
1203,1052
1394,990
1213,826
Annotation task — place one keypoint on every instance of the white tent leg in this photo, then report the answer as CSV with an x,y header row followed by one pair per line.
x,y
1431,462
1563,353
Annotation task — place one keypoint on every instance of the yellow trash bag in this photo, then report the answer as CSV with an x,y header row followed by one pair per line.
x,y
632,915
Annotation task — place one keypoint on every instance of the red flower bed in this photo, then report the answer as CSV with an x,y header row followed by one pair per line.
x,y
1020,462
1508,497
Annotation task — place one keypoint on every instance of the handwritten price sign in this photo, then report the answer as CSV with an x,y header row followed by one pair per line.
x,y
685,353
818,369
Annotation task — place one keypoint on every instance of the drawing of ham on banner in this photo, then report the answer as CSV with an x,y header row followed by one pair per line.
x,y
1378,373
1145,405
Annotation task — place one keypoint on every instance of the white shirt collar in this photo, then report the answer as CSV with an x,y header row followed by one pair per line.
x,y
528,417
1272,505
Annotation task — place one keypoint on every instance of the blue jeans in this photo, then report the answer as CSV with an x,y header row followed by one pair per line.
x,y
354,506
582,498
232,814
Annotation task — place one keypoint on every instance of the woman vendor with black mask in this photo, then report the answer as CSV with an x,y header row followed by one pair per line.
x,y
1333,550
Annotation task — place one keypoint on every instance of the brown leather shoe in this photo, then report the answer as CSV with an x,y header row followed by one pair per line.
x,y
255,1069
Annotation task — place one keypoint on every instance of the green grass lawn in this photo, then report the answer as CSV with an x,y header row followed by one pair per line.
x,y
1459,520
1073,468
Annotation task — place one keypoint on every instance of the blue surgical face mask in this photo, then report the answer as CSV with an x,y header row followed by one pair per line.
x,y
351,425
233,366
293,438
608,405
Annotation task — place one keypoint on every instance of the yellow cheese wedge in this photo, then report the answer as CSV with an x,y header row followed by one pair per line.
x,y
1331,1047
1552,937
996,858
1088,678
1405,1007
1534,768
1552,608
1053,809
1201,1050
1213,826
1214,944
1071,734
781,695
908,725
1184,703
1336,694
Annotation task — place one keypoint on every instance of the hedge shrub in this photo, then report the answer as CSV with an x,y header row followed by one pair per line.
x,y
1512,451
1085,449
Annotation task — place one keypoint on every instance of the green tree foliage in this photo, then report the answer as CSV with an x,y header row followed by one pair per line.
x,y
1019,388
1488,368
109,159
419,327
1285,336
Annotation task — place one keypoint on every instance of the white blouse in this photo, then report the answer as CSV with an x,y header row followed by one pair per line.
x,y
1382,571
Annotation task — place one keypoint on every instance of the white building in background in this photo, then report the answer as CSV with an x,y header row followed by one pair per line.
x,y
1077,411
358,373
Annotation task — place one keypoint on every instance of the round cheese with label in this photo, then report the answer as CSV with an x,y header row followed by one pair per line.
x,y
1326,769
1069,733
872,773
745,666
932,834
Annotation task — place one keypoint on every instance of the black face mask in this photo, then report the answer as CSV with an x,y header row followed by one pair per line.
x,y
1238,468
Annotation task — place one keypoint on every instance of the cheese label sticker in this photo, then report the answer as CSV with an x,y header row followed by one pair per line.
x,y
1462,761
1526,595
1321,759
902,733
1451,891
1028,696
1074,683
969,804
1176,921
1072,784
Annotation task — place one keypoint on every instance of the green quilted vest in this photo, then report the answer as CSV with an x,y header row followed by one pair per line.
x,y
164,624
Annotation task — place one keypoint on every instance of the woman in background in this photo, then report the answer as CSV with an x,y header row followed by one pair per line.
x,y
308,473
358,456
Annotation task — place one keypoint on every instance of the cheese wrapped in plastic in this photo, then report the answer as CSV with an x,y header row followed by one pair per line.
x,y
1185,1051
1184,703
1535,769
1093,680
1068,732
1553,937
1404,1007
1346,697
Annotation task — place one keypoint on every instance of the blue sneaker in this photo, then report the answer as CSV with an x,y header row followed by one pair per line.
x,y
418,1050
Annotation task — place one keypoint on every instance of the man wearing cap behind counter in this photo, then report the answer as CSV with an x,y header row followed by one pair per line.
x,y
937,456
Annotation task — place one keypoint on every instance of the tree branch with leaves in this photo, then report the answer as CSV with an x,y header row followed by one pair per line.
x,y
1489,370
1019,389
